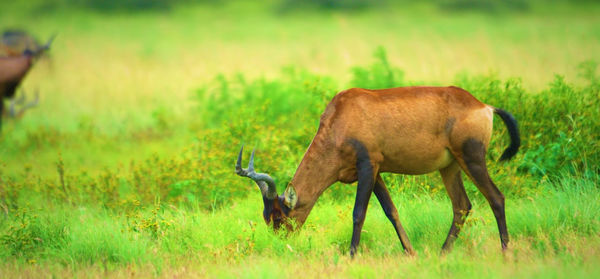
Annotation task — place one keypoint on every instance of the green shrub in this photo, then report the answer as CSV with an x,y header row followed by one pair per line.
x,y
378,75
279,117
28,234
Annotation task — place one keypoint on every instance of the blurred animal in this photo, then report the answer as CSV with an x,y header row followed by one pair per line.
x,y
406,130
12,71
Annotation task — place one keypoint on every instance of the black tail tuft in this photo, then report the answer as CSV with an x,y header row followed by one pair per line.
x,y
513,131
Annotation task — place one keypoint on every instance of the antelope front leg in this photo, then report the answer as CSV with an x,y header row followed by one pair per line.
x,y
391,212
366,181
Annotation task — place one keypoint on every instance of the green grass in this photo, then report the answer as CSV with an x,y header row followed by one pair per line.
x,y
555,229
125,169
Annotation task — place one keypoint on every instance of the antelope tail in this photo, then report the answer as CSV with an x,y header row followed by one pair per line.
x,y
513,132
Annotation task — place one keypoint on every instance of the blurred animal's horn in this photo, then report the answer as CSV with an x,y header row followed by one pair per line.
x,y
47,45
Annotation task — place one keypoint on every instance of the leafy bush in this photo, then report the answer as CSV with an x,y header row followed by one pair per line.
x,y
296,94
279,117
378,75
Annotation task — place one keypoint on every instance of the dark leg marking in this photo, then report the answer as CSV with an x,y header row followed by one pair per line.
x,y
382,194
363,192
474,157
461,206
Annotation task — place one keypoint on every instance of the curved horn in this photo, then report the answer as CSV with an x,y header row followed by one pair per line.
x,y
40,50
47,45
263,180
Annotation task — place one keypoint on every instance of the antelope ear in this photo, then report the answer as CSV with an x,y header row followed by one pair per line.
x,y
289,197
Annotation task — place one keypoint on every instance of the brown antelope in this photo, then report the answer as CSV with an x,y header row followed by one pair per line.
x,y
405,130
12,71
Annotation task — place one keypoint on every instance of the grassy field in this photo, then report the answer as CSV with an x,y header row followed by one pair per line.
x,y
125,169
547,241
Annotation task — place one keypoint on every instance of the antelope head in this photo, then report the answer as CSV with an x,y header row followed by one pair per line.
x,y
276,208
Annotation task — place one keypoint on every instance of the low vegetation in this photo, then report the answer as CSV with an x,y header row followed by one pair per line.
x,y
130,173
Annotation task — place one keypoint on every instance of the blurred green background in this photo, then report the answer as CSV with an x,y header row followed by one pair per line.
x,y
144,105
